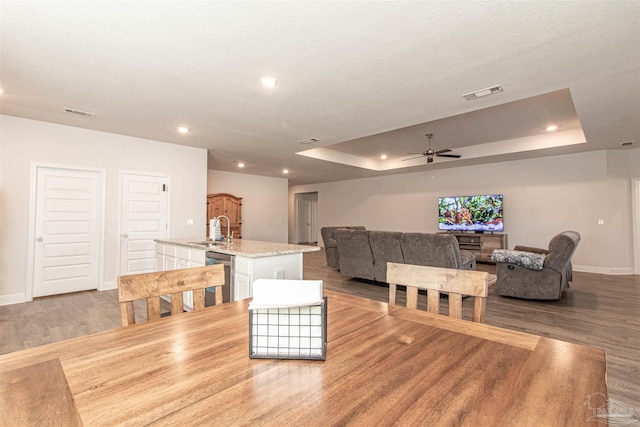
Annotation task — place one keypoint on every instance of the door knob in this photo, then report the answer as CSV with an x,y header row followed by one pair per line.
x,y
40,239
125,236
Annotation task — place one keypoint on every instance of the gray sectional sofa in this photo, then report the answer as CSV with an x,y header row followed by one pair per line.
x,y
364,254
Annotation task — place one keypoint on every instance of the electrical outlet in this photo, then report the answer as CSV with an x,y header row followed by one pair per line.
x,y
601,221
189,222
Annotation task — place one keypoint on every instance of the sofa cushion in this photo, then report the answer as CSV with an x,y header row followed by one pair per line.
x,y
435,250
355,255
385,247
330,244
530,260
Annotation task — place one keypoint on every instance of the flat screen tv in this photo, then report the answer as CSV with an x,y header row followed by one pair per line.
x,y
471,213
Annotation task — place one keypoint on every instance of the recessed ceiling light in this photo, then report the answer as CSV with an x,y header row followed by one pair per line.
x,y
1,91
240,164
383,157
551,128
483,92
269,81
285,171
183,129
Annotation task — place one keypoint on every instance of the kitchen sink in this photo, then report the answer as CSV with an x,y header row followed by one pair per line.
x,y
209,243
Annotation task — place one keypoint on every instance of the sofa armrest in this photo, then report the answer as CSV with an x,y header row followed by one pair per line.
x,y
531,249
530,260
468,260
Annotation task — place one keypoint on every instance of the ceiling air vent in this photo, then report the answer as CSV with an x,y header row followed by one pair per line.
x,y
309,141
627,143
483,92
79,113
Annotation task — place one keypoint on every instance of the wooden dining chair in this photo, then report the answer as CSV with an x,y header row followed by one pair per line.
x,y
435,280
151,286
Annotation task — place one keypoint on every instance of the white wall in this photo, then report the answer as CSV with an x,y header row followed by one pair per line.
x,y
25,141
264,203
542,197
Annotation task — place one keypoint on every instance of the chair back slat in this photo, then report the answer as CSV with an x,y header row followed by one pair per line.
x,y
434,280
151,286
177,305
433,301
153,308
198,298
127,313
455,305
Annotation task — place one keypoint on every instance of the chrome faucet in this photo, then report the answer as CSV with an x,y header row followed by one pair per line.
x,y
228,226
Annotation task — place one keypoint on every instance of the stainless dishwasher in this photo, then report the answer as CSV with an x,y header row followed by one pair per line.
x,y
228,262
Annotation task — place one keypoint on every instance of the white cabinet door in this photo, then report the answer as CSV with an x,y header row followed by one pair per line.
x,y
242,287
170,263
160,262
197,258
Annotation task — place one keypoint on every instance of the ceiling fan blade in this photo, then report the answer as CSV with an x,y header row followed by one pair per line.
x,y
445,150
454,156
411,158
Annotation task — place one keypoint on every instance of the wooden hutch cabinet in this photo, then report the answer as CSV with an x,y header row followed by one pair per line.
x,y
229,206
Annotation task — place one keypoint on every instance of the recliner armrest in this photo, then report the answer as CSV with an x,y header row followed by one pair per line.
x,y
530,260
531,249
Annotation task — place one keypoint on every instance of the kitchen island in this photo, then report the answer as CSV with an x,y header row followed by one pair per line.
x,y
250,260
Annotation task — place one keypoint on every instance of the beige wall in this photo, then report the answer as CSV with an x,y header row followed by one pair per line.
x,y
541,197
264,203
25,141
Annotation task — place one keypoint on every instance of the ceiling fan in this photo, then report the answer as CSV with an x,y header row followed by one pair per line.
x,y
429,153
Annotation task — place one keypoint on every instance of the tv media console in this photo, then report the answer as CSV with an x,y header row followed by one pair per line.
x,y
482,245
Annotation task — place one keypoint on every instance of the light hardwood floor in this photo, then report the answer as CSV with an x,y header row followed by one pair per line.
x,y
598,311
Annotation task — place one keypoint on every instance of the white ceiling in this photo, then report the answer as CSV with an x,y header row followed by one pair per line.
x,y
363,77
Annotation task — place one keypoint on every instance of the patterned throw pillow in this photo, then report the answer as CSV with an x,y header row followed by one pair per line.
x,y
524,259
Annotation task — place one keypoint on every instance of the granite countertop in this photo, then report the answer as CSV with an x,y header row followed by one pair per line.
x,y
243,247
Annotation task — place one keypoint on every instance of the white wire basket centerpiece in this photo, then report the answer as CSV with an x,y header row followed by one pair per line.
x,y
288,320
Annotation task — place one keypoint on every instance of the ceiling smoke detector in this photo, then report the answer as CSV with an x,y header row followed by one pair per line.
x,y
309,141
79,112
483,92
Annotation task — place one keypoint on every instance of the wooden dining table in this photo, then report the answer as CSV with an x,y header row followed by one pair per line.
x,y
385,365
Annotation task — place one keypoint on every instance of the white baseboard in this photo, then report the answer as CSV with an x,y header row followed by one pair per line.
x,y
603,270
13,299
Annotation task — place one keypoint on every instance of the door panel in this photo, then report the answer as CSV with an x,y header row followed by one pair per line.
x,y
68,217
304,221
306,205
144,215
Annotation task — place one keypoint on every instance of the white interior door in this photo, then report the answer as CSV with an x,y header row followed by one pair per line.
x,y
143,218
68,221
306,205
304,220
